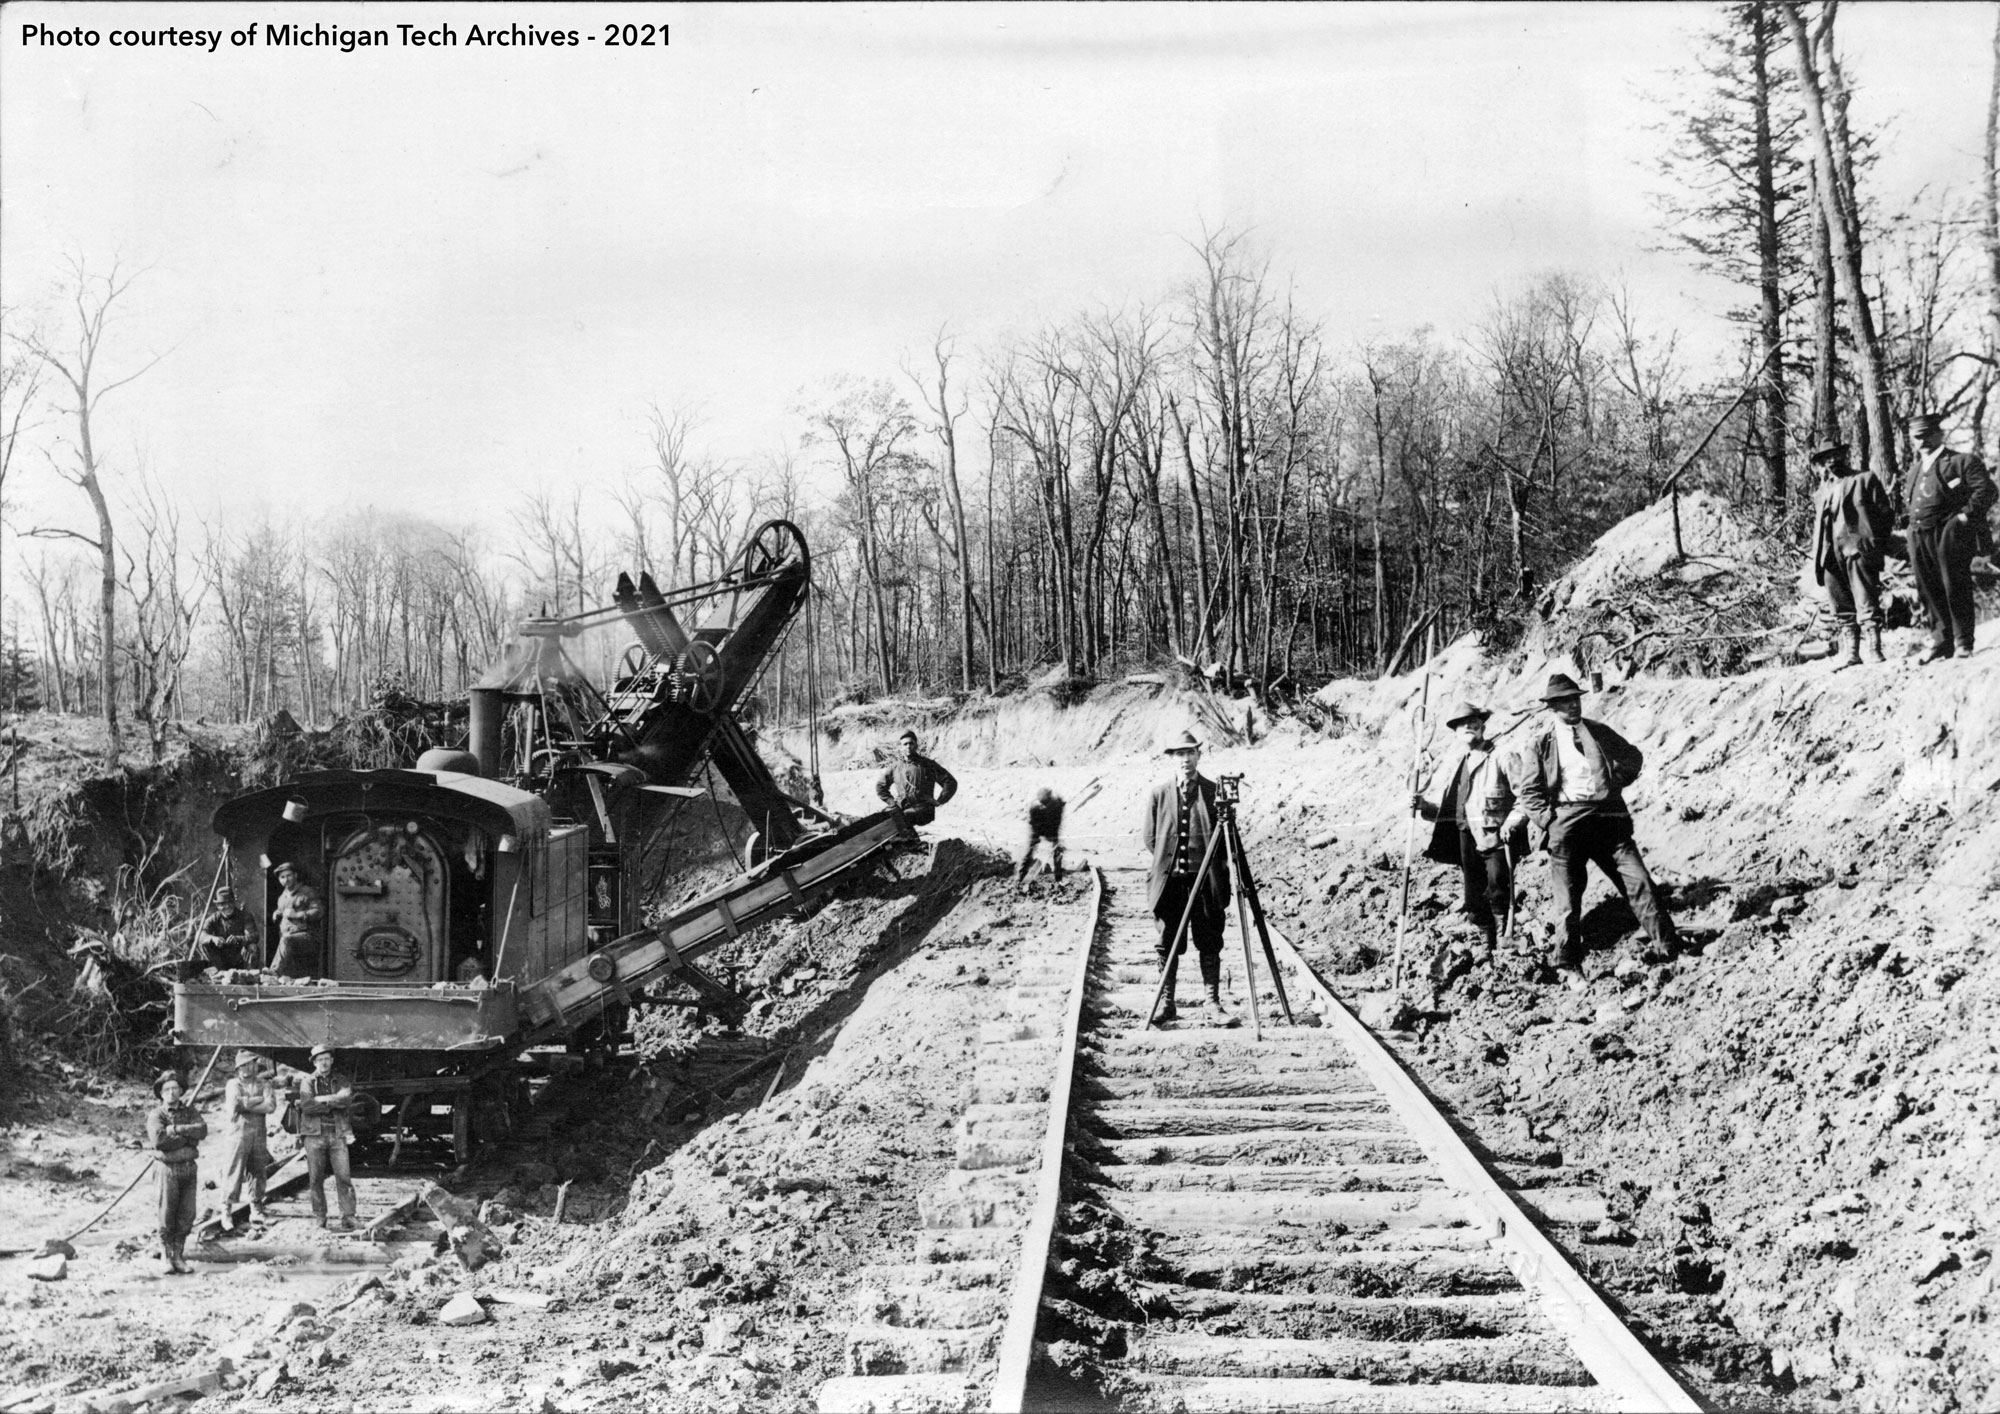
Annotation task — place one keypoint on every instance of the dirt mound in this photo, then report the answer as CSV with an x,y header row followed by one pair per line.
x,y
1802,1112
1058,722
1695,586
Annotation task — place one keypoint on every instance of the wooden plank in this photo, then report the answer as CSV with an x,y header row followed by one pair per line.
x,y
1017,1337
1615,1357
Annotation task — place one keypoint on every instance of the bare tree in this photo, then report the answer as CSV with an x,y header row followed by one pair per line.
x,y
75,361
163,612
865,425
939,402
1843,224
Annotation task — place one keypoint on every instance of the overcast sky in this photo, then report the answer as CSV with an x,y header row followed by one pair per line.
x,y
433,277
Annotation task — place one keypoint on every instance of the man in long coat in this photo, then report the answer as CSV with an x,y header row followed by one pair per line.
x,y
1948,497
1570,779
1179,822
1473,801
1852,519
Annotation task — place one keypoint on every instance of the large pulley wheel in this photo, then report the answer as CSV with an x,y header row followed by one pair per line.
x,y
635,661
700,671
773,545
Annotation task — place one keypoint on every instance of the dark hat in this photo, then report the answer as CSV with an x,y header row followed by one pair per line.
x,y
1174,745
1829,452
1561,685
285,864
907,736
244,1058
225,894
321,1050
160,1080
1466,712
1918,421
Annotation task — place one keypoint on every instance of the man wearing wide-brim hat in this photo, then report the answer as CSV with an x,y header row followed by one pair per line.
x,y
1570,779
1179,821
1852,521
1948,495
248,1101
1471,806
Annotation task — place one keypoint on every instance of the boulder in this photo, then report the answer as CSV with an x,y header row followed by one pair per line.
x,y
462,1310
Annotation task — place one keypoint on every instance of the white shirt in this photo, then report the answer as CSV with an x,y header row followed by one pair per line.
x,y
1584,778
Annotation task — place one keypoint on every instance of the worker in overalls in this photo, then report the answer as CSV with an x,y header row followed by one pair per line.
x,y
249,1100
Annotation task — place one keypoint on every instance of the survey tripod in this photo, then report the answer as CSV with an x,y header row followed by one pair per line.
x,y
1249,909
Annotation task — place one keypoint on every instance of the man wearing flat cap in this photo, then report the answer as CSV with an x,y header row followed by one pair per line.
x,y
1570,779
1948,495
1179,822
229,937
1471,811
325,1100
915,785
1852,519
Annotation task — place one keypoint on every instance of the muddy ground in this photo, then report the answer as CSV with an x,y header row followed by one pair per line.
x,y
1795,1119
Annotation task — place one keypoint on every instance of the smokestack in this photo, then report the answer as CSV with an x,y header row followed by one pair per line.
x,y
486,707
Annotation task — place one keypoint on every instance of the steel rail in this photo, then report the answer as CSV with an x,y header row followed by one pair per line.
x,y
1017,1339
1603,1343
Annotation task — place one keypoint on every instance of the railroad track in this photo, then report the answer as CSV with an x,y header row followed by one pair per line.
x,y
1201,1218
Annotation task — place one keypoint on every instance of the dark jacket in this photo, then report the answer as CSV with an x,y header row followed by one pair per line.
x,y
1957,482
1852,518
1537,776
915,782
1045,818
1160,830
1482,817
174,1131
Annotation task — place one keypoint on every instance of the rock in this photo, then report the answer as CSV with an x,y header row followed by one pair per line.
x,y
1387,1011
722,1335
611,1367
53,1267
1608,1231
285,1312
1934,1259
56,1246
1609,1046
462,1310
263,1386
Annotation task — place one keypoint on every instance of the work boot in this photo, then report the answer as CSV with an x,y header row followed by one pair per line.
x,y
1933,653
1222,1016
1167,1012
1853,658
1875,643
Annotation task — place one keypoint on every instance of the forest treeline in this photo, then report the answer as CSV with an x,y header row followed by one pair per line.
x,y
1203,473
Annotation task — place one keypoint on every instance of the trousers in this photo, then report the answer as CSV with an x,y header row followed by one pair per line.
x,y
247,1166
1035,837
1606,841
1204,929
1488,875
1941,558
328,1154
1854,589
178,1191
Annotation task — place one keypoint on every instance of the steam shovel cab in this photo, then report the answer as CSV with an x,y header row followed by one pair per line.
x,y
445,894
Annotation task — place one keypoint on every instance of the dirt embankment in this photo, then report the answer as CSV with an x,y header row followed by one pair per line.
x,y
1800,1115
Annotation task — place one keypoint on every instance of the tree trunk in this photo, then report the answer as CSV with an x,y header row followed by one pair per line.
x,y
1826,412
1843,233
1770,321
